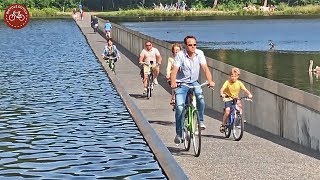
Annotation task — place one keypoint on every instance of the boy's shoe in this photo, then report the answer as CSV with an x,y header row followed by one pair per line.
x,y
222,128
155,81
203,127
177,140
145,91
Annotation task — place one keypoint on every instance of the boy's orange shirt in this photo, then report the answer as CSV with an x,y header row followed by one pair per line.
x,y
232,89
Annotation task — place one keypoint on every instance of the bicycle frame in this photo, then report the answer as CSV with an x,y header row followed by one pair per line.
x,y
233,111
190,109
235,122
111,63
150,79
191,121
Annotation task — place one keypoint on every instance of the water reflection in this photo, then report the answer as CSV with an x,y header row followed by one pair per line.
x,y
288,68
60,117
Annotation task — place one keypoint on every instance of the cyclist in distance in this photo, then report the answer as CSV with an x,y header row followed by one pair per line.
x,y
107,28
147,55
231,89
186,69
94,23
110,51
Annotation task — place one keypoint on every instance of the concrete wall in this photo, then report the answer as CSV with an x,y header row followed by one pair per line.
x,y
277,108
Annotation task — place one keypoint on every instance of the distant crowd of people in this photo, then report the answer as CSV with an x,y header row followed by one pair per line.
x,y
179,5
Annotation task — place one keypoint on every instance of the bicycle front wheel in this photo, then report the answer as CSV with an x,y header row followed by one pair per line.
x,y
227,130
196,133
238,127
186,133
149,86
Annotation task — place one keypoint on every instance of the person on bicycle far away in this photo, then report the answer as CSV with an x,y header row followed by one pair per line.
x,y
107,28
186,69
110,51
94,23
147,56
231,89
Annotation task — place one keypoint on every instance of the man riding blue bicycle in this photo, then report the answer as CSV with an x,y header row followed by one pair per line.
x,y
186,69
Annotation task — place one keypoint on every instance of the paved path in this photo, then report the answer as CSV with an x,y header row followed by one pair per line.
x,y
259,155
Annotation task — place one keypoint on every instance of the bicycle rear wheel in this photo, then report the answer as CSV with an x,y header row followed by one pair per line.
x,y
186,133
196,134
238,127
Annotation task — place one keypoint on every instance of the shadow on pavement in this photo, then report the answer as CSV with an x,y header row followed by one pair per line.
x,y
138,96
165,123
266,135
178,151
281,141
214,136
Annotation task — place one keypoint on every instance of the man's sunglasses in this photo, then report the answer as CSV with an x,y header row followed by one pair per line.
x,y
192,45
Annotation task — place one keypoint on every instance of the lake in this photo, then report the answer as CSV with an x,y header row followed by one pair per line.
x,y
244,43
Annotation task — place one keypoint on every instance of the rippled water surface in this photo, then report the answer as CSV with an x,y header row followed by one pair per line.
x,y
248,34
244,43
60,117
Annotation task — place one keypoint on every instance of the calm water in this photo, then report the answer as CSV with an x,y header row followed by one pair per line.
x,y
60,117
245,44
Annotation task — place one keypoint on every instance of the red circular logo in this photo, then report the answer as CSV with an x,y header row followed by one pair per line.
x,y
16,16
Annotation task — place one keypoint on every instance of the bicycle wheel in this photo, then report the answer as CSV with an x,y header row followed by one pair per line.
x,y
149,87
111,64
238,127
228,129
196,134
114,67
186,133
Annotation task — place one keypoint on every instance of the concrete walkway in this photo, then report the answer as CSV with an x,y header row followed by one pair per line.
x,y
259,155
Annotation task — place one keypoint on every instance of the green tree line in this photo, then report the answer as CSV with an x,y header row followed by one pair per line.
x,y
103,5
41,4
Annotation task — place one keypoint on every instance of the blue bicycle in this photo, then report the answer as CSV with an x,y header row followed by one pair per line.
x,y
235,122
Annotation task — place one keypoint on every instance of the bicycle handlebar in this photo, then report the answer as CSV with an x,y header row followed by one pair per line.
x,y
110,58
239,98
192,87
148,64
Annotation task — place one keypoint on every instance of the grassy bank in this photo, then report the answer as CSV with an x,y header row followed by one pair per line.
x,y
45,13
280,10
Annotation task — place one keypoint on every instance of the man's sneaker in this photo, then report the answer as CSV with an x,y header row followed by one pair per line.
x,y
155,81
145,91
177,140
203,127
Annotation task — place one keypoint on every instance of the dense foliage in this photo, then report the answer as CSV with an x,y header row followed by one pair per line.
x,y
102,5
41,4
99,5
